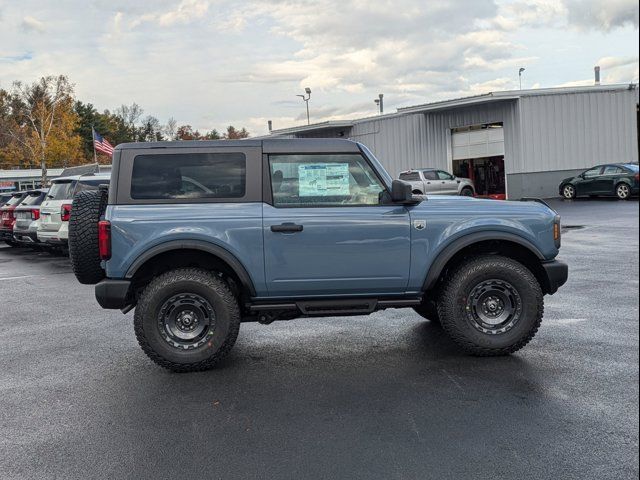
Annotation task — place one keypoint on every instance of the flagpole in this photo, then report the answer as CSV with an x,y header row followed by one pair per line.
x,y
93,142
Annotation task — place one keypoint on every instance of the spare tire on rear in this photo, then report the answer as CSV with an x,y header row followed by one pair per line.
x,y
86,211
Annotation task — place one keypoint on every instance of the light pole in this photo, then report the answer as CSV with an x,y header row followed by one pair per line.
x,y
306,98
520,76
378,101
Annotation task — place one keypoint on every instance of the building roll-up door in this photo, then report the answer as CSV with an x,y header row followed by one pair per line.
x,y
485,142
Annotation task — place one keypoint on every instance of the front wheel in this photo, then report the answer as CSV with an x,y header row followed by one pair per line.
x,y
187,320
467,192
569,192
491,305
623,192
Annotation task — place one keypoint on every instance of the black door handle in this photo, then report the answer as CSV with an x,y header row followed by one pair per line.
x,y
286,228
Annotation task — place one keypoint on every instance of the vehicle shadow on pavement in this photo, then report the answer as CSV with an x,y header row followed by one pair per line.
x,y
16,261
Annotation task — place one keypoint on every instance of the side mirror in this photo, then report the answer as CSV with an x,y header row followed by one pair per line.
x,y
401,193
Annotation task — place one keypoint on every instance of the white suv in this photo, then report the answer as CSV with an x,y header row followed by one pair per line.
x,y
53,229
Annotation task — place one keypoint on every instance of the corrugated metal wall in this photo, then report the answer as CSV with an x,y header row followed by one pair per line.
x,y
505,112
542,133
578,130
423,140
399,142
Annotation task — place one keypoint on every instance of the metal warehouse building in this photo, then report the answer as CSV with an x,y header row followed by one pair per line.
x,y
519,143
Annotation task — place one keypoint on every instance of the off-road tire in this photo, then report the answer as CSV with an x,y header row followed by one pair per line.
x,y
428,310
453,305
86,211
148,313
466,192
623,191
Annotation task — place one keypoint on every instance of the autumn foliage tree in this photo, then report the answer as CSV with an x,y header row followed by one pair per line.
x,y
40,123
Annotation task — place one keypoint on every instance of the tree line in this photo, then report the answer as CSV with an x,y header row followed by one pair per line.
x,y
43,125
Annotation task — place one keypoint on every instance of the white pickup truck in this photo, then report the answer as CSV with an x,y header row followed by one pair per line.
x,y
437,182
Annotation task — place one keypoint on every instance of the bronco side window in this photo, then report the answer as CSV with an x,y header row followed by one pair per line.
x,y
188,176
323,180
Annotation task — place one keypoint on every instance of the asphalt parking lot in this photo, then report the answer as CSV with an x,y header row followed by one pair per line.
x,y
386,396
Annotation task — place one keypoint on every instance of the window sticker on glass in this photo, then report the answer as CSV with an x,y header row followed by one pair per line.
x,y
323,179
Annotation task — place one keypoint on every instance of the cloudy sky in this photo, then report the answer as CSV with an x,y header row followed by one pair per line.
x,y
213,63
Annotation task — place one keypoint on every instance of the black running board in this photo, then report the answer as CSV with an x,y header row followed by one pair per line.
x,y
336,307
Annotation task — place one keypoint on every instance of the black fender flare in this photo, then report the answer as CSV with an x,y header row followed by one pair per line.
x,y
437,266
203,246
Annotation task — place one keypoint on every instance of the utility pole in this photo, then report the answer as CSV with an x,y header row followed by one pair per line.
x,y
306,98
520,76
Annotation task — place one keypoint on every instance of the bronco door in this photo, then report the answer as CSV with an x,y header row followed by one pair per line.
x,y
326,230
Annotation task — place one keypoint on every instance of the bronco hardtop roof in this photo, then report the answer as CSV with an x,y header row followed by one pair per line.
x,y
90,176
269,145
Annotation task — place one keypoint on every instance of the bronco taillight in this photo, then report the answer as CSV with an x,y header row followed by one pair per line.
x,y
65,212
104,239
35,214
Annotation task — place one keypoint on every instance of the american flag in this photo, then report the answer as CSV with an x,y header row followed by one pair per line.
x,y
101,144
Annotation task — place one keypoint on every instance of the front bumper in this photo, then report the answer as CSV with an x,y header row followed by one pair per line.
x,y
113,294
556,275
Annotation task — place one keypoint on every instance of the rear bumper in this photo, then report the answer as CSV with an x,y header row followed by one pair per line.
x,y
6,234
25,236
54,237
556,275
113,294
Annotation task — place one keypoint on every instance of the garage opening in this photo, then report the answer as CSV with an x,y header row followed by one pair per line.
x,y
478,154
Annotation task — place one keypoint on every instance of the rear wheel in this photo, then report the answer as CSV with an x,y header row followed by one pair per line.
x,y
491,305
187,320
569,192
86,211
623,191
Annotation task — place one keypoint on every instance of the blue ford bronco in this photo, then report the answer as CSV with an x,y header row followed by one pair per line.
x,y
201,236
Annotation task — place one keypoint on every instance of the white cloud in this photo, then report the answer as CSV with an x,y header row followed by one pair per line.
x,y
613,62
210,64
583,14
183,13
602,15
31,24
